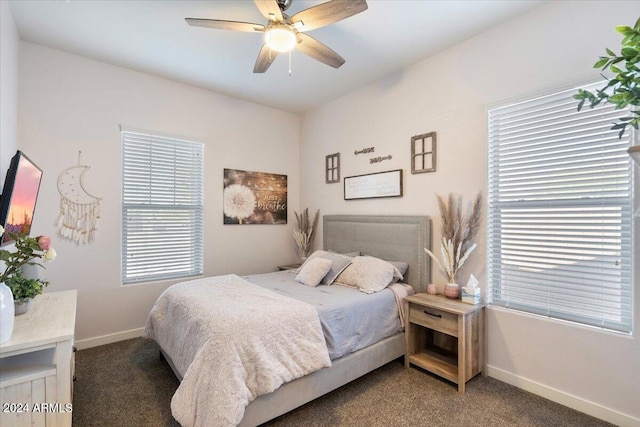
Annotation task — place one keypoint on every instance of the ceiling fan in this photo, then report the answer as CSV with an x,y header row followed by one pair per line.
x,y
284,33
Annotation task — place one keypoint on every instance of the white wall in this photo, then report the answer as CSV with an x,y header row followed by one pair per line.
x,y
9,48
69,103
551,47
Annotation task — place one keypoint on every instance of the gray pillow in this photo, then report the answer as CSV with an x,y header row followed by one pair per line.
x,y
349,254
313,271
402,268
338,264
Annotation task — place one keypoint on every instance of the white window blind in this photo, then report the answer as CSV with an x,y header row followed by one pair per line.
x,y
560,211
162,208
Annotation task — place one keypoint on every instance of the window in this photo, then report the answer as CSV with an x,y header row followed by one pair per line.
x,y
560,211
332,166
162,207
423,153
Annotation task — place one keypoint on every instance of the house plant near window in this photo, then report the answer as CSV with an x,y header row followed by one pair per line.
x,y
28,251
458,231
623,89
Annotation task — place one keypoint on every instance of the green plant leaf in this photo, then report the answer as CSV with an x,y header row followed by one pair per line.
x,y
629,53
611,83
601,63
624,30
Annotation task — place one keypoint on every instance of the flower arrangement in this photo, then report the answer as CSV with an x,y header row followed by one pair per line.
x,y
303,235
28,250
458,231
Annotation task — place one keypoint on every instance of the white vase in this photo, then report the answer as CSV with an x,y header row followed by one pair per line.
x,y
6,313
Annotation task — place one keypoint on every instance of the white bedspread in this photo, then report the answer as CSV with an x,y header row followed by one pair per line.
x,y
232,341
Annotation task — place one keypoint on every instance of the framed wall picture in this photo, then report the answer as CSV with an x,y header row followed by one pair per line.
x,y
373,185
423,153
254,197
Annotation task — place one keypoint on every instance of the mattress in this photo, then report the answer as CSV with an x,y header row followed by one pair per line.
x,y
351,320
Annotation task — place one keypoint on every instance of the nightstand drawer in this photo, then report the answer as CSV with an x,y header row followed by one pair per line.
x,y
435,319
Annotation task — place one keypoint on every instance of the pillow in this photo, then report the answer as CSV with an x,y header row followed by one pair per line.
x,y
309,258
313,271
401,268
349,254
368,274
338,264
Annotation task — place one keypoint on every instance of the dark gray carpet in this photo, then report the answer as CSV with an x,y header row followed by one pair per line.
x,y
126,384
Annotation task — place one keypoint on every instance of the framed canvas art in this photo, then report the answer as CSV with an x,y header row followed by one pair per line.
x,y
254,197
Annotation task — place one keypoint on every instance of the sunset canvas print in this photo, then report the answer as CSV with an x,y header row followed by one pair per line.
x,y
23,197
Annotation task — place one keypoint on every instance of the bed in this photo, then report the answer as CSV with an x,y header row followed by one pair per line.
x,y
396,238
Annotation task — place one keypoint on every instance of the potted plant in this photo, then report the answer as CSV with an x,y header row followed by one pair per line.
x,y
623,89
24,290
458,231
28,251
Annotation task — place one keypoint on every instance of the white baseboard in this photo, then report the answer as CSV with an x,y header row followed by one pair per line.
x,y
108,339
571,401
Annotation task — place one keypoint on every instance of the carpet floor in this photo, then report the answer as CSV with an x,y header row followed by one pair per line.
x,y
126,384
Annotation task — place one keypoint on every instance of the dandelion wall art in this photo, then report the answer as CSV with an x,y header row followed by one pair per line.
x,y
254,197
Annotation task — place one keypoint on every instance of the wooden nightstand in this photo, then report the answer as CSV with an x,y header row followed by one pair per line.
x,y
289,267
445,337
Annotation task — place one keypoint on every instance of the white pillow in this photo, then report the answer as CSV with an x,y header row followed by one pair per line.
x,y
368,274
313,272
315,254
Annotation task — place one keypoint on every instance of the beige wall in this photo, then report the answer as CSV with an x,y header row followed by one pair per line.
x,y
9,50
551,47
69,103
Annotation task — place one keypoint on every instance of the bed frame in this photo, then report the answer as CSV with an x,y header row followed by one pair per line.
x,y
392,238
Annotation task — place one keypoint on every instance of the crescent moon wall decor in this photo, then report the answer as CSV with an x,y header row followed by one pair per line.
x,y
79,210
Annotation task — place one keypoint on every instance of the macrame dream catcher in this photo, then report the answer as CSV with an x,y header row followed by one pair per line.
x,y
79,210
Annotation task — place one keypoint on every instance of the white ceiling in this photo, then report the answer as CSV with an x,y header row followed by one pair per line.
x,y
152,37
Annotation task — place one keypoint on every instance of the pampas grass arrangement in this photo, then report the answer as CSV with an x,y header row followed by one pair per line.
x,y
458,231
303,235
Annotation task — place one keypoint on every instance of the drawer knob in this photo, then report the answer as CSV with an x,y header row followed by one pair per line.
x,y
434,315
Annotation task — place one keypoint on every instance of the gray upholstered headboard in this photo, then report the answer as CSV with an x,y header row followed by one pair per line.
x,y
392,238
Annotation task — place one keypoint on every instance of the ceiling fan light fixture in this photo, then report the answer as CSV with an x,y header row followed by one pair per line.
x,y
280,38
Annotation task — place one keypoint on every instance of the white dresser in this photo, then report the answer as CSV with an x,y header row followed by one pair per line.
x,y
36,364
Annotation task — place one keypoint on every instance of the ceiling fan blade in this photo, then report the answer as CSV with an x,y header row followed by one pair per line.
x,y
225,25
270,10
265,58
319,51
327,13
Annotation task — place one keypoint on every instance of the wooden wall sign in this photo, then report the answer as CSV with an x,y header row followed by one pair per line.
x,y
373,185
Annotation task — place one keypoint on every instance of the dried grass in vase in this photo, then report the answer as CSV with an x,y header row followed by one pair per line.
x,y
458,231
303,235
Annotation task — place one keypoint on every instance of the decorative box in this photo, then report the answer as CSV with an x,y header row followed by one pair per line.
x,y
473,298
